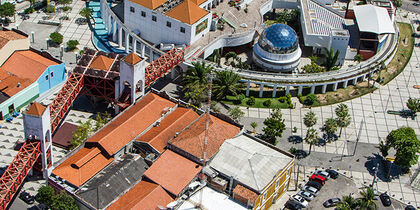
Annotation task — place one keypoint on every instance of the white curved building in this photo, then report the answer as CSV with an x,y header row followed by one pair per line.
x,y
278,49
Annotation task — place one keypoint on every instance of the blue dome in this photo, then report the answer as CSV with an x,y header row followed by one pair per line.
x,y
279,39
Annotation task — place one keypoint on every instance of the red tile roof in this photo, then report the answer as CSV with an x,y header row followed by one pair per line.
x,y
245,193
187,12
82,166
64,135
6,36
172,171
101,63
27,64
36,109
131,123
175,122
132,58
145,195
150,4
191,139
12,84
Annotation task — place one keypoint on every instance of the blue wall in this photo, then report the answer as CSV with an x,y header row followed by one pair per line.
x,y
56,74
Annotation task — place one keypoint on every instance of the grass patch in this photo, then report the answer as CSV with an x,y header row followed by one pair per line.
x,y
402,56
342,94
259,102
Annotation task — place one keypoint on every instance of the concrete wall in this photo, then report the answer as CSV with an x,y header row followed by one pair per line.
x,y
11,46
340,43
56,74
285,4
228,41
20,99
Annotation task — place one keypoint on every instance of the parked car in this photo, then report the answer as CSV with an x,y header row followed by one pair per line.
x,y
385,199
293,205
300,200
317,185
331,202
325,174
305,194
416,4
310,189
333,173
26,197
410,207
318,178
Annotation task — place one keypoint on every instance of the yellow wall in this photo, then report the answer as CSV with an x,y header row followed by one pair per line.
x,y
270,189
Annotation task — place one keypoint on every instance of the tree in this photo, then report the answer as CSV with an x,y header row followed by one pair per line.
x,y
195,81
367,200
310,119
310,99
343,116
274,126
330,127
236,113
383,148
251,101
86,12
230,55
82,132
311,138
72,44
413,104
64,2
254,126
404,140
101,119
358,58
7,10
226,83
45,195
312,68
397,3
347,203
56,38
63,201
196,93
331,58
216,56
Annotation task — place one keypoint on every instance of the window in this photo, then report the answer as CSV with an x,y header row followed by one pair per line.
x,y
46,77
265,196
132,9
154,18
168,24
52,74
143,13
182,30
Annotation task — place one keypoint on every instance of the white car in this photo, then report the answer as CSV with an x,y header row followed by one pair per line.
x,y
325,174
301,200
311,190
307,195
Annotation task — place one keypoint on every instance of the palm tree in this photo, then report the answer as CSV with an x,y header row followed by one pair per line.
x,y
226,83
254,126
330,127
197,74
310,119
331,58
311,138
358,58
86,12
347,203
343,117
367,202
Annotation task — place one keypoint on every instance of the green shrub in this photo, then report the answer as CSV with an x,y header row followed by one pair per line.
x,y
241,97
72,44
282,99
56,38
267,103
294,129
49,9
66,8
310,99
251,101
300,98
29,10
292,150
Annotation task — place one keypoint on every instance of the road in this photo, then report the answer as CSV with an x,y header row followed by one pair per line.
x,y
408,5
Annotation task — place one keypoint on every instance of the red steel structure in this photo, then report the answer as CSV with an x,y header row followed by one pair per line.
x,y
17,171
30,151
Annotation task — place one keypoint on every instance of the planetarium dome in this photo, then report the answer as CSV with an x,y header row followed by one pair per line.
x,y
278,48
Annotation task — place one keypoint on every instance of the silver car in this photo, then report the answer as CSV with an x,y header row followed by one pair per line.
x,y
310,189
307,195
324,174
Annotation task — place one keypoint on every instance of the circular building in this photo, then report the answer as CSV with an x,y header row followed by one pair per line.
x,y
278,49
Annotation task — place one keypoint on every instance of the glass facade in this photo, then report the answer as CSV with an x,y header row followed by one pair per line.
x,y
279,39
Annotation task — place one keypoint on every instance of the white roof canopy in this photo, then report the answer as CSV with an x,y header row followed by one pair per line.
x,y
373,19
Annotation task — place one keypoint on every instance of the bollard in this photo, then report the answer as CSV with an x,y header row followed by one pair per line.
x,y
47,40
61,52
33,36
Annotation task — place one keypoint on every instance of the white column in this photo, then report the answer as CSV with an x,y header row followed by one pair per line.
x,y
127,43
363,77
274,90
151,55
109,25
261,90
143,48
114,30
313,89
134,45
324,88
335,86
300,90
119,37
354,81
345,84
248,84
287,89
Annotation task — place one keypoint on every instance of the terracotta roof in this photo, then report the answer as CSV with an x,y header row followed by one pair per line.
x,y
27,64
198,2
191,139
82,166
172,171
6,36
144,195
131,123
101,63
245,193
36,109
187,12
151,4
132,59
12,84
175,122
64,135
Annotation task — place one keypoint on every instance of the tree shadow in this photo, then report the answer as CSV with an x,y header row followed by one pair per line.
x,y
300,154
295,139
386,171
321,142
